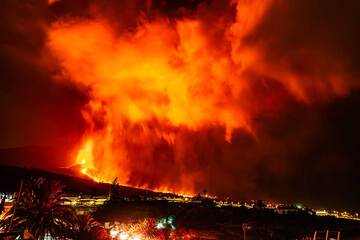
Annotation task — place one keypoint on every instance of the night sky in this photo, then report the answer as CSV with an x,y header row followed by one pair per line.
x,y
300,151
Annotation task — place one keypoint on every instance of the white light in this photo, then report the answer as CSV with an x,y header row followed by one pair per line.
x,y
114,233
123,236
137,237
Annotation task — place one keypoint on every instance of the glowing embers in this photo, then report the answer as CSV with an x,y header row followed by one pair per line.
x,y
140,230
148,229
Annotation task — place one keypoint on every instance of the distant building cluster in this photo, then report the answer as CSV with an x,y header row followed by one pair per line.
x,y
84,203
87,203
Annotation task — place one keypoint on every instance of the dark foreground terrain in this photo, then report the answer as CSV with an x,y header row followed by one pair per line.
x,y
206,220
227,222
11,176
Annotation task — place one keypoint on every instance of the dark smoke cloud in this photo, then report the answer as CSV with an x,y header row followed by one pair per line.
x,y
302,152
33,109
314,39
320,143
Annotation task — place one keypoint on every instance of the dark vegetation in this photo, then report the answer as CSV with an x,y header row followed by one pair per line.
x,y
128,204
39,212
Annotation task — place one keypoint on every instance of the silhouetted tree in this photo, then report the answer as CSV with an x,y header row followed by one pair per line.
x,y
114,194
204,193
259,204
2,204
40,210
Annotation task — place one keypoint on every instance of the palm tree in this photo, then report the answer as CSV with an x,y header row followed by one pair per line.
x,y
87,228
39,210
2,205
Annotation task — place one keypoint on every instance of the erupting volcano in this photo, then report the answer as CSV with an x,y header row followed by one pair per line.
x,y
157,84
243,98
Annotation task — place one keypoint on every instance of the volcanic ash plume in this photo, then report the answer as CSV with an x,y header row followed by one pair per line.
x,y
163,92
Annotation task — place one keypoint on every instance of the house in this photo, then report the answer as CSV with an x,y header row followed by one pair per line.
x,y
287,209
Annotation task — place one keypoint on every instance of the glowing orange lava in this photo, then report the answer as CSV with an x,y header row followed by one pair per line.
x,y
85,160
